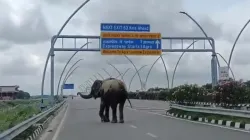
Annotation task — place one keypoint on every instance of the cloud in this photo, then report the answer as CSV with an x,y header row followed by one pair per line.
x,y
23,25
27,26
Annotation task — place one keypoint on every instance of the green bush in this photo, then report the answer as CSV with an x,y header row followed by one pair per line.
x,y
228,92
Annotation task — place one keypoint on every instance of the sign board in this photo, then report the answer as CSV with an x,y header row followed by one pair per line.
x,y
115,43
118,27
68,86
224,73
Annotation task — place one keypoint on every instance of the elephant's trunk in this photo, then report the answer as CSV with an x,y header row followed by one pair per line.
x,y
84,96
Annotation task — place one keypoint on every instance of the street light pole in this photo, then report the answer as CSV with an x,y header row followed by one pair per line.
x,y
214,56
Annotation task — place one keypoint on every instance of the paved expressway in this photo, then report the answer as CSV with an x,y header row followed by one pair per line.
x,y
81,122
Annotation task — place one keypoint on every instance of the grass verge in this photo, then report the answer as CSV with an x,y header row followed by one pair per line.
x,y
25,109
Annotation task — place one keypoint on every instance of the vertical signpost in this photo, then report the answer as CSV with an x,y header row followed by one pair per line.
x,y
223,73
129,39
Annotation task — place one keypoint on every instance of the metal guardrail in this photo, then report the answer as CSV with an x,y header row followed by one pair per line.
x,y
210,110
19,128
216,104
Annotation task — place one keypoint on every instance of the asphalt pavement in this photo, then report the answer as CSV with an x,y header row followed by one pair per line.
x,y
83,123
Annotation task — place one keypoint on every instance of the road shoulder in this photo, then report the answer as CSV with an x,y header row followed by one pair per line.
x,y
50,131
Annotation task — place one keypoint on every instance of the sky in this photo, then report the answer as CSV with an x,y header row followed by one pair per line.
x,y
28,25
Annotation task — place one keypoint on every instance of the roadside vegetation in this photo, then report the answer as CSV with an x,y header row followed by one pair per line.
x,y
229,94
14,112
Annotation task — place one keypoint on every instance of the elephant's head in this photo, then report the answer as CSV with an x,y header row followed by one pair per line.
x,y
95,88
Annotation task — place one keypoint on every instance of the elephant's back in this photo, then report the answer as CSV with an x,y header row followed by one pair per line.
x,y
115,84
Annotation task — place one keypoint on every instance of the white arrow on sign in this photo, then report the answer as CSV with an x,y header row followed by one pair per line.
x,y
157,42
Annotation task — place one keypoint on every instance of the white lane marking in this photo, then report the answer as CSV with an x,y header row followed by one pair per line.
x,y
61,124
152,135
221,126
133,126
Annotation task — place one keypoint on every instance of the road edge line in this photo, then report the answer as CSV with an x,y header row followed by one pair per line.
x,y
61,124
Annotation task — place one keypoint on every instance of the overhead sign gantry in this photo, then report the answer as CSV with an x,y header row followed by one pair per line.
x,y
135,39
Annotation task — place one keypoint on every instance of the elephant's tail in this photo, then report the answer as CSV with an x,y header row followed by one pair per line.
x,y
129,102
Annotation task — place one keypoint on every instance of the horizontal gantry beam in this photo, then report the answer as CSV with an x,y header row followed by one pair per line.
x,y
163,50
98,37
194,39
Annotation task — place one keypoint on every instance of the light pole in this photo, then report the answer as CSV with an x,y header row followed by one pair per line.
x,y
213,61
134,75
153,66
51,54
172,83
58,85
175,68
66,78
67,65
231,53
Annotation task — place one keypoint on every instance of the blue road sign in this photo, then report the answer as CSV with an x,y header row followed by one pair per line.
x,y
68,86
135,44
125,27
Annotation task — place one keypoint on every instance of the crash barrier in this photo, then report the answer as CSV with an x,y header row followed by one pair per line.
x,y
19,128
209,104
210,110
43,126
207,119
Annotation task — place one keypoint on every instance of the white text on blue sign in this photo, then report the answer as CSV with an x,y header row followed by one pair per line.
x,y
140,44
125,27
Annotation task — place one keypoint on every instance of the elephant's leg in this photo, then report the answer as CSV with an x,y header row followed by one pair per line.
x,y
114,117
102,107
106,116
121,106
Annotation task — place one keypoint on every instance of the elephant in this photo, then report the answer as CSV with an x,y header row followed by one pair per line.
x,y
112,92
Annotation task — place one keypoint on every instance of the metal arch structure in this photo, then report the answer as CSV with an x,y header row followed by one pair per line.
x,y
67,77
172,82
213,61
106,72
227,64
95,77
88,82
80,88
134,75
202,32
59,81
92,80
67,74
135,69
115,69
123,74
236,40
153,66
51,54
100,76
175,68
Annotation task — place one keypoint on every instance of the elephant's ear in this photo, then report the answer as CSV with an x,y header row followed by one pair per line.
x,y
98,88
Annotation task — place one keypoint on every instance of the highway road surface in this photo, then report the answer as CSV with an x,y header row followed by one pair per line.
x,y
81,122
